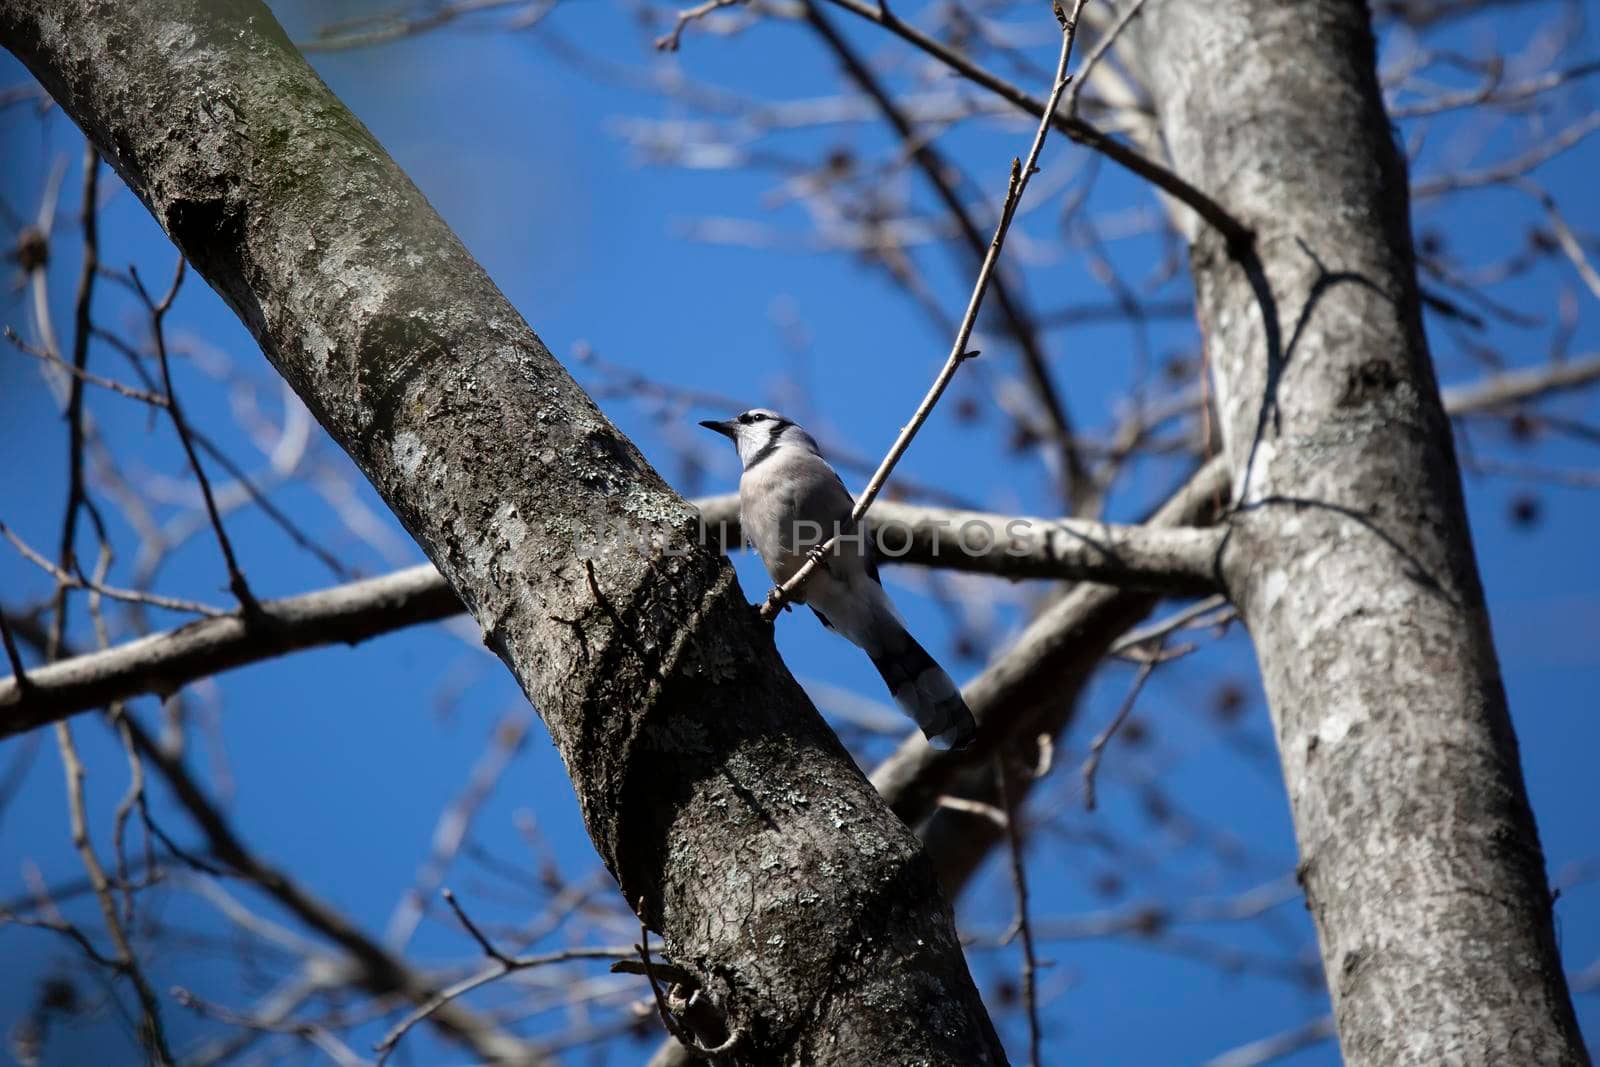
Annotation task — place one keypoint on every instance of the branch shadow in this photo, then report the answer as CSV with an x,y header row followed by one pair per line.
x,y
1280,354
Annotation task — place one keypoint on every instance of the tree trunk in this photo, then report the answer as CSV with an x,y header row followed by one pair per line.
x,y
711,788
1349,555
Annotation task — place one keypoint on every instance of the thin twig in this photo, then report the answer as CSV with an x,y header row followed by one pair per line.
x,y
938,171
1081,132
1163,627
135,796
1565,238
1278,1045
668,42
393,26
12,655
130,596
1019,883
271,510
1500,173
973,807
373,966
472,928
1098,52
1097,746
152,1035
153,399
133,799
1020,174
503,965
314,1033
1492,92
690,1044
82,307
158,311
482,978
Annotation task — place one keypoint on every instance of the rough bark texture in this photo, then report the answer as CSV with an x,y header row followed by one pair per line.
x,y
1350,556
709,785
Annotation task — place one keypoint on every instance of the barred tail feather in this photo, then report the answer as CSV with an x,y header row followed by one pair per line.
x,y
925,692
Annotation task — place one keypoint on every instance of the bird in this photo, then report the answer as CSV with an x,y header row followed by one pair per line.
x,y
790,502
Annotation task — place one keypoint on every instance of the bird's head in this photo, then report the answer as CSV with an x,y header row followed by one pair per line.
x,y
760,432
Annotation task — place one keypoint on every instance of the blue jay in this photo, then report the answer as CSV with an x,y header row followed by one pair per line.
x,y
791,501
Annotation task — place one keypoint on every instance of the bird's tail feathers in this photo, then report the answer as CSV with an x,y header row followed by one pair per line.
x,y
922,688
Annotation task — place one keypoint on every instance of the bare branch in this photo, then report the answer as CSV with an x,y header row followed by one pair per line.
x,y
1571,247
502,965
89,377
669,41
1098,745
1493,92
1020,174
1501,173
398,25
1520,386
936,169
1277,1046
160,663
1129,12
1022,923
375,968
158,312
152,1034
319,1036
19,676
77,581
1237,234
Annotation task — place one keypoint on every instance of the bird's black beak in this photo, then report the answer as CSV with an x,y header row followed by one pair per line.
x,y
724,428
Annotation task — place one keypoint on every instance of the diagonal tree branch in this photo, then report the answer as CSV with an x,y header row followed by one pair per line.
x,y
686,739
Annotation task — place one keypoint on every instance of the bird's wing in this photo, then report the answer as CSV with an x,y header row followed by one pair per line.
x,y
869,544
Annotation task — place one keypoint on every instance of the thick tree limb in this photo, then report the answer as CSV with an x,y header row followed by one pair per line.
x,y
1147,557
1349,556
164,662
1032,688
709,785
1174,561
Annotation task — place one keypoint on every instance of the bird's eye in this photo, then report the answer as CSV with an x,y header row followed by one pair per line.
x,y
757,417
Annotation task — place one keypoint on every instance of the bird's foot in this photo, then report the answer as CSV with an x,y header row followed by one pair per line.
x,y
768,609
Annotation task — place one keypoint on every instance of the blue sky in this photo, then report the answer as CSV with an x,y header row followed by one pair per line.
x,y
335,764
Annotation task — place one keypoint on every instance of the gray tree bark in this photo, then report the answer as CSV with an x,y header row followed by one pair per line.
x,y
1349,554
710,787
